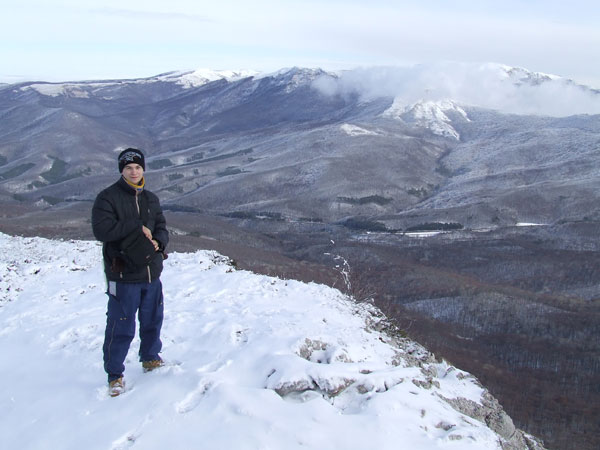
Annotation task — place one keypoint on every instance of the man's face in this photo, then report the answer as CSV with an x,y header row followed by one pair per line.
x,y
133,173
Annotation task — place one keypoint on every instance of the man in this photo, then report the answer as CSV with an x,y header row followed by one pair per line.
x,y
129,221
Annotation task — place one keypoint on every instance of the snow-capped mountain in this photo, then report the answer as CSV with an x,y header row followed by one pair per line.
x,y
200,77
295,77
88,89
431,115
185,80
491,86
417,141
252,362
520,76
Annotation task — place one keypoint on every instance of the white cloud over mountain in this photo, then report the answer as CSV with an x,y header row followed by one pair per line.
x,y
494,86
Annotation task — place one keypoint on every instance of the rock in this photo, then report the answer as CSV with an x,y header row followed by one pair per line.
x,y
493,415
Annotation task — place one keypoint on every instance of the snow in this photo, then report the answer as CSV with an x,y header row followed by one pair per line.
x,y
58,89
530,224
355,130
254,362
292,77
200,77
187,80
423,234
428,114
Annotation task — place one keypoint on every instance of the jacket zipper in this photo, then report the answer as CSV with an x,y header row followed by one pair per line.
x,y
137,204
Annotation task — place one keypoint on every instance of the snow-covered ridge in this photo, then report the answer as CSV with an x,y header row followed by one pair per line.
x,y
75,89
294,77
253,362
522,75
428,114
201,77
190,79
492,86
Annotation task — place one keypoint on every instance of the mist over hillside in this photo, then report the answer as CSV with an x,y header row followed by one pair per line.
x,y
512,90
463,199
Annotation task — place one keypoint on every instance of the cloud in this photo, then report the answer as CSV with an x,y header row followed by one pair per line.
x,y
493,86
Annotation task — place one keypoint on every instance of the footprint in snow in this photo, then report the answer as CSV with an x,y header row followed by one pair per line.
x,y
193,399
129,438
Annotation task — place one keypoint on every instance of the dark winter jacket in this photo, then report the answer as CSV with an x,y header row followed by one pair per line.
x,y
118,212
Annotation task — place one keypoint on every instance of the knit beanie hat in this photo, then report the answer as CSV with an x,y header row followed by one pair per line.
x,y
131,156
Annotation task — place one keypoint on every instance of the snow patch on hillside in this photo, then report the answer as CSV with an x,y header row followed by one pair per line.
x,y
293,78
354,130
253,362
432,115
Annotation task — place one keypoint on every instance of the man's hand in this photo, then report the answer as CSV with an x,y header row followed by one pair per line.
x,y
147,232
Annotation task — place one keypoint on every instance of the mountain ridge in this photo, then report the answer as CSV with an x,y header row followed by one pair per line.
x,y
233,133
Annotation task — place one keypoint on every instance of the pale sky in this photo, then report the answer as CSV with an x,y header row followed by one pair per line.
x,y
64,40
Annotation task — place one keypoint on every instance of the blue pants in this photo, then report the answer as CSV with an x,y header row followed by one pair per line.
x,y
124,300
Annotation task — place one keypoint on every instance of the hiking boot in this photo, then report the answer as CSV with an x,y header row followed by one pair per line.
x,y
153,364
116,387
